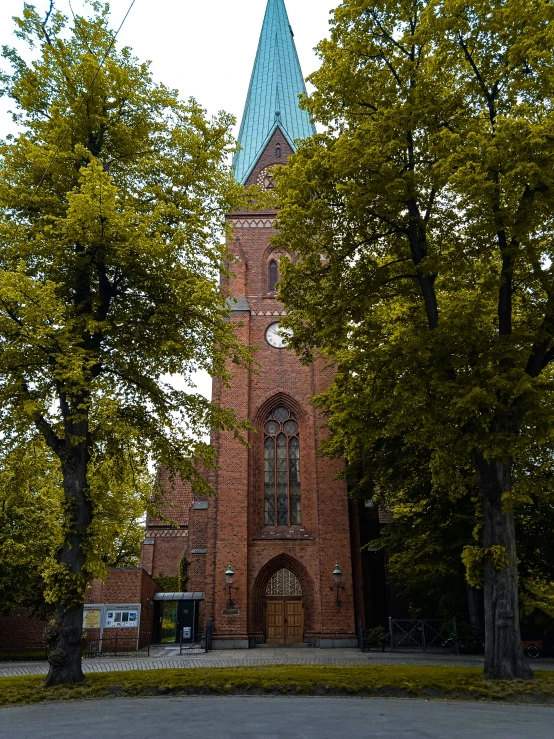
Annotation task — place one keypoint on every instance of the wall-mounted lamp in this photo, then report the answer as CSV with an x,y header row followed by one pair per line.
x,y
337,574
229,575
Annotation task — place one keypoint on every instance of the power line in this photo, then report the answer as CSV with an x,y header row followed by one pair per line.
x,y
84,98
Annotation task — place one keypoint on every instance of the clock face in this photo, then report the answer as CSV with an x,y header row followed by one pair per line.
x,y
277,336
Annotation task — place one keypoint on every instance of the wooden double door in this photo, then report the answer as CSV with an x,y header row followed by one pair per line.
x,y
284,621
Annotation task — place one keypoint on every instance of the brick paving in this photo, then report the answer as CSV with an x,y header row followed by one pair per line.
x,y
257,658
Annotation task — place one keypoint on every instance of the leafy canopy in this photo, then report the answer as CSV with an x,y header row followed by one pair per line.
x,y
112,197
422,218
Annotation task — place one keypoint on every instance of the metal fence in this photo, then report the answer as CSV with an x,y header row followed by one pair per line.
x,y
202,645
113,644
412,635
30,652
109,645
423,635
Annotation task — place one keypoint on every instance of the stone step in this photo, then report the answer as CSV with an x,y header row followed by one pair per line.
x,y
300,645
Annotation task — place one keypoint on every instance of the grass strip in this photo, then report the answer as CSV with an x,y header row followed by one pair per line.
x,y
461,683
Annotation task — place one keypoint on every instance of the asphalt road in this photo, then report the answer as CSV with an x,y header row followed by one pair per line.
x,y
275,718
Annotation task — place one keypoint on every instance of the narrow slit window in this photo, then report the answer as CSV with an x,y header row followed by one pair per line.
x,y
273,275
278,151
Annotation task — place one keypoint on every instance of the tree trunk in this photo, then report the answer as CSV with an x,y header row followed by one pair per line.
x,y
65,640
64,635
504,658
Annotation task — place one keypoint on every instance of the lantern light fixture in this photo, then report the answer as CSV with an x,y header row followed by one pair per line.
x,y
337,575
229,576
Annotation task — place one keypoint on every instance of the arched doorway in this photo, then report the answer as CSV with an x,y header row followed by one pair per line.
x,y
284,609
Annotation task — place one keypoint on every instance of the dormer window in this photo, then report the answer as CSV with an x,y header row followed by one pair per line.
x,y
278,151
273,276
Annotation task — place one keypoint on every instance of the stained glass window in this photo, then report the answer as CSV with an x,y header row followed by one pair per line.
x,y
281,469
273,276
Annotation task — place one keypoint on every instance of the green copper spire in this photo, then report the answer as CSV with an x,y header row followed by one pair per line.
x,y
272,100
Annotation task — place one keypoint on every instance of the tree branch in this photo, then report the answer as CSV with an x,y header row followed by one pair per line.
x,y
45,23
385,34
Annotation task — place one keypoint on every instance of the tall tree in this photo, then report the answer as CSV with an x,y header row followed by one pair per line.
x,y
433,531
428,530
422,218
32,520
31,515
112,198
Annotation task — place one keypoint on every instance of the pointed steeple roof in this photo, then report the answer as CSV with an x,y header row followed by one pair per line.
x,y
275,85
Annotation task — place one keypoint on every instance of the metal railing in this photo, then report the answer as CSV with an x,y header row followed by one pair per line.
x,y
202,646
423,635
411,635
113,644
33,651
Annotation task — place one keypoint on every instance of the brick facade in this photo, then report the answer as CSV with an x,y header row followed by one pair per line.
x,y
231,528
125,587
20,630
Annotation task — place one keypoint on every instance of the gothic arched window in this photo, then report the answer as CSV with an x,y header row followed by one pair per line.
x,y
273,276
281,469
278,151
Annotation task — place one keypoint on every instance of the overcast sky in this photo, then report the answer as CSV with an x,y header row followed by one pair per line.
x,y
203,48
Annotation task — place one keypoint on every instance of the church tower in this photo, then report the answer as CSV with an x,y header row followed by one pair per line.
x,y
280,517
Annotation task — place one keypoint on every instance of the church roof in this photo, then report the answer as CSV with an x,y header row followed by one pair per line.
x,y
275,85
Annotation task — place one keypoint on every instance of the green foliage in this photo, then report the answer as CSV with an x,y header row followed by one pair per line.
x,y
402,136
535,535
416,681
377,637
422,220
31,505
169,583
183,574
175,583
32,523
429,526
431,538
112,198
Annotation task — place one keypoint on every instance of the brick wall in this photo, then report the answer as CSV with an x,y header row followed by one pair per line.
x,y
162,551
177,501
18,629
125,587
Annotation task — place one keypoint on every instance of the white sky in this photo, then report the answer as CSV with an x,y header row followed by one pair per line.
x,y
204,49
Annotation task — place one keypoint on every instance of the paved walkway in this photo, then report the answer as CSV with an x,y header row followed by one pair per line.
x,y
275,718
169,658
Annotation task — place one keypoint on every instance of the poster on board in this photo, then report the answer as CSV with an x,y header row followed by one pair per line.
x,y
121,619
91,618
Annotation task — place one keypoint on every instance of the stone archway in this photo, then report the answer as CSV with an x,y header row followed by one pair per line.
x,y
282,579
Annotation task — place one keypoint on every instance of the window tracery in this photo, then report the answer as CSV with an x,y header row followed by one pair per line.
x,y
281,469
265,180
285,584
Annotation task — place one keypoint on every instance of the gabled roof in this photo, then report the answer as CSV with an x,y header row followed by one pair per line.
x,y
275,85
238,304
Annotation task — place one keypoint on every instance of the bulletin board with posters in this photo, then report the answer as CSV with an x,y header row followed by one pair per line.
x,y
122,617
